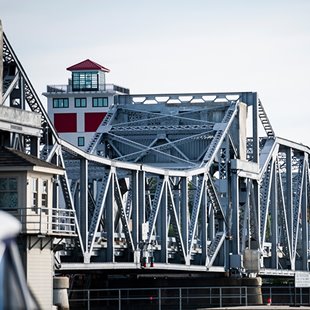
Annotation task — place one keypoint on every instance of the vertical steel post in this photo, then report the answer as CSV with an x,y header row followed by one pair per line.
x,y
88,300
255,118
135,208
83,206
141,201
184,211
235,213
110,219
221,302
119,300
256,199
163,213
289,202
180,299
304,216
274,219
21,83
204,226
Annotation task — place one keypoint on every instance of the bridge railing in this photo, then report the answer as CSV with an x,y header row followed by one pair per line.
x,y
159,298
188,297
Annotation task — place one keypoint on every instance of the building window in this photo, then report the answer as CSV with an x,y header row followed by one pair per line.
x,y
84,81
81,141
8,194
35,194
100,102
60,103
80,102
44,196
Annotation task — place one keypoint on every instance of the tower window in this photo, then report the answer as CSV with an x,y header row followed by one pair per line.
x,y
35,194
44,196
8,193
100,102
81,141
84,81
80,102
60,103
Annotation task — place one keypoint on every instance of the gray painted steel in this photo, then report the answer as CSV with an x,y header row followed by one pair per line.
x,y
179,178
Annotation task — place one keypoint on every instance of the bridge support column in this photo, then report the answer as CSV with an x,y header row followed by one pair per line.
x,y
246,287
60,293
254,290
83,205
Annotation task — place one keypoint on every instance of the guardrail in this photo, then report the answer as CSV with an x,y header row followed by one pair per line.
x,y
101,87
46,221
187,297
158,298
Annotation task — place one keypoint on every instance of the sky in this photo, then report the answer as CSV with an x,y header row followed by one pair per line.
x,y
174,46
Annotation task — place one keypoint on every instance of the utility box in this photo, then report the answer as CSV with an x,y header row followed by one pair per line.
x,y
236,261
252,260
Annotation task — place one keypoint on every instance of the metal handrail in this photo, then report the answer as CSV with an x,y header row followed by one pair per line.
x,y
155,298
101,87
46,221
188,297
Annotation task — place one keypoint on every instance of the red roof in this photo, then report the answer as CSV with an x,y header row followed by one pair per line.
x,y
87,65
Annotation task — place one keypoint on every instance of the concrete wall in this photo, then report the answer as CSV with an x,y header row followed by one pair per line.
x,y
20,117
17,120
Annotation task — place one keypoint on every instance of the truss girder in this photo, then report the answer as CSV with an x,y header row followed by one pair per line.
x,y
156,181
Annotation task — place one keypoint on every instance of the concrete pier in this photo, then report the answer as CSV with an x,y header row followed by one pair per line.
x,y
60,292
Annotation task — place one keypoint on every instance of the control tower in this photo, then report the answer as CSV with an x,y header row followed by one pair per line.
x,y
78,108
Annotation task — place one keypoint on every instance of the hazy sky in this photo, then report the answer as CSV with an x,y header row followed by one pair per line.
x,y
168,46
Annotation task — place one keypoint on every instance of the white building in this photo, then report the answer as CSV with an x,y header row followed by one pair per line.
x,y
27,185
77,109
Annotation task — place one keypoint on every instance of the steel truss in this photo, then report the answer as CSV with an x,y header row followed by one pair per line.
x,y
180,179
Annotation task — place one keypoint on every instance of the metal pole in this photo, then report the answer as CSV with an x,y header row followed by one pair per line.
x,y
88,300
220,297
119,300
180,299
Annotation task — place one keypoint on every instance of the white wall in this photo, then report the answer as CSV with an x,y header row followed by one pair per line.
x,y
39,272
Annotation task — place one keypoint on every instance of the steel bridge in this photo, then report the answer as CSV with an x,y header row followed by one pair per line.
x,y
182,180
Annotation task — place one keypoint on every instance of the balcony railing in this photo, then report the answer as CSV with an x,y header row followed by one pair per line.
x,y
46,221
101,88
